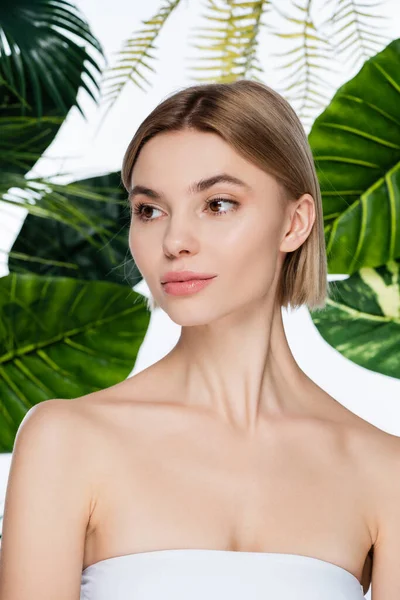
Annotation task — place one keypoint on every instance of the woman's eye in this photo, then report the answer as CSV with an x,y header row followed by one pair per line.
x,y
216,200
139,209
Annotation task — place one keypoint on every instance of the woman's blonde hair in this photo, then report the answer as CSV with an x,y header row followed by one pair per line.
x,y
261,126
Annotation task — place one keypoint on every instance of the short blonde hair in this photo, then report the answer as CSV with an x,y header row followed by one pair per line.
x,y
262,127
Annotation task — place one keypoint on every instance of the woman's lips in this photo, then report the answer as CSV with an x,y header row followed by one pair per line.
x,y
183,288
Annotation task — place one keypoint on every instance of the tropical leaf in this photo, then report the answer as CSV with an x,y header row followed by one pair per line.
x,y
45,198
48,246
38,52
135,55
233,35
233,41
41,72
356,148
309,62
354,29
22,142
63,338
362,318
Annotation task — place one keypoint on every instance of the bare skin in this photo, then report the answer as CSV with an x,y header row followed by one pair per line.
x,y
226,443
172,476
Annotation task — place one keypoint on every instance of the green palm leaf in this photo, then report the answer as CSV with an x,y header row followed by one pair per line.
x,y
22,142
63,338
233,41
233,35
308,63
44,198
135,55
38,52
355,29
97,249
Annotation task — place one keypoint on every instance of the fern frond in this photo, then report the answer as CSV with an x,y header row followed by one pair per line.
x,y
312,53
134,55
233,42
355,32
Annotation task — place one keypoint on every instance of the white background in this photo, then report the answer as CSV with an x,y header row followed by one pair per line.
x,y
82,151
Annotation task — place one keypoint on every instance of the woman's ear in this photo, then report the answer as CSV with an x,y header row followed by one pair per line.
x,y
301,220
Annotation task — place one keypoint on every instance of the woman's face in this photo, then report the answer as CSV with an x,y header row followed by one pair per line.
x,y
229,230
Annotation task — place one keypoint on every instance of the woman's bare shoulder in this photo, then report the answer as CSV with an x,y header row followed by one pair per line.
x,y
147,387
105,414
118,398
373,448
385,456
378,459
76,418
376,445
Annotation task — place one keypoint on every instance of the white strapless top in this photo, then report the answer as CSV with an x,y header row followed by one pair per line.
x,y
201,574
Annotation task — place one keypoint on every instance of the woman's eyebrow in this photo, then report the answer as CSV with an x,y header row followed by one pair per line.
x,y
194,188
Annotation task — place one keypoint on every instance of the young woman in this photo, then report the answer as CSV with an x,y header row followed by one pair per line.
x,y
222,471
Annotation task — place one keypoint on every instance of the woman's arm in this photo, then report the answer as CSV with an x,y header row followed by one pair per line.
x,y
47,506
386,560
